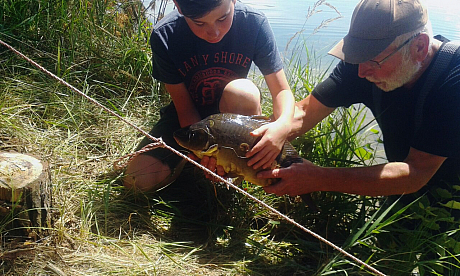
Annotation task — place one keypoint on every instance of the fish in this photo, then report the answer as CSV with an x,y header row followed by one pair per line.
x,y
227,137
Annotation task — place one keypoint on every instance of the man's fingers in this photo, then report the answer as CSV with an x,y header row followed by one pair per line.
x,y
276,189
275,173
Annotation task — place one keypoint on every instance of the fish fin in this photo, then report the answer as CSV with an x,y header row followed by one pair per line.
x,y
261,118
238,180
211,151
288,155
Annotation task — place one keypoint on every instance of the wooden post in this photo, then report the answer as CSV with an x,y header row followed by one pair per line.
x,y
25,192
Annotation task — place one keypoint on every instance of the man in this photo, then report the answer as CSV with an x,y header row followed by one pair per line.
x,y
386,58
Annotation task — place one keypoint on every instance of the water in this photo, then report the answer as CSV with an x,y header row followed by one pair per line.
x,y
289,17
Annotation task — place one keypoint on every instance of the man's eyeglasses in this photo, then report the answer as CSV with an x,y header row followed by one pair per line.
x,y
378,64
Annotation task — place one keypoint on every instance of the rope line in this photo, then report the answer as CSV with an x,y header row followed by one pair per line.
x,y
159,143
123,161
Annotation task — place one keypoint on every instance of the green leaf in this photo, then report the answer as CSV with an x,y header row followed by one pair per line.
x,y
420,204
457,247
456,187
452,204
363,154
444,193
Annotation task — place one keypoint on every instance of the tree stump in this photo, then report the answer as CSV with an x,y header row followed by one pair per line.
x,y
25,193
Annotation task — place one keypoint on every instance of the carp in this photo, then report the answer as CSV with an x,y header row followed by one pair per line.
x,y
226,137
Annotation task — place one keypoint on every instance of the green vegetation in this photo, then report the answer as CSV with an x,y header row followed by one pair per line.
x,y
193,227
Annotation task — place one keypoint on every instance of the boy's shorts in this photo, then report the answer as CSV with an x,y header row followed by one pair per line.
x,y
164,128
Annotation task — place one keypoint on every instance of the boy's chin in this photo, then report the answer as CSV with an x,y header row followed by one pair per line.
x,y
213,40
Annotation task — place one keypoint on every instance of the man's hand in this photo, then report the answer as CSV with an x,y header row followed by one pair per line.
x,y
297,179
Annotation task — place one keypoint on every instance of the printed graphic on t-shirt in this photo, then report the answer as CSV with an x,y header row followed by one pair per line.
x,y
222,58
206,86
209,73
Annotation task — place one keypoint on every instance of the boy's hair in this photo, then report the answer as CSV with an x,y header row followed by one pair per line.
x,y
197,8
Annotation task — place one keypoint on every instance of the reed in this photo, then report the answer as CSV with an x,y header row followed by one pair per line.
x,y
200,228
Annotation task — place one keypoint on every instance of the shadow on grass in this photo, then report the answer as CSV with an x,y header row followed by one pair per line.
x,y
229,229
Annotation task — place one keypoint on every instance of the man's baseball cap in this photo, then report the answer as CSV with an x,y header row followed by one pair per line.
x,y
374,26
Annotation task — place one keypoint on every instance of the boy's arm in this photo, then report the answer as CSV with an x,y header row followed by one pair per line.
x,y
283,100
274,134
185,107
188,115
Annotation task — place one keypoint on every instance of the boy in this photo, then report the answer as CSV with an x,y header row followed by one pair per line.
x,y
202,52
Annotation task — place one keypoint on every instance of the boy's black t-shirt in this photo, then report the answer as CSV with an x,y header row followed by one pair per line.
x,y
439,132
205,68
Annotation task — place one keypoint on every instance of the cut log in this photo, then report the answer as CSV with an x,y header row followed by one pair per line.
x,y
25,191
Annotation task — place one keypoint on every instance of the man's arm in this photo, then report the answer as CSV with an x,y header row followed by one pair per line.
x,y
185,107
393,178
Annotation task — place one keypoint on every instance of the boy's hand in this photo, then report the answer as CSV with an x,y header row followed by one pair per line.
x,y
211,164
267,149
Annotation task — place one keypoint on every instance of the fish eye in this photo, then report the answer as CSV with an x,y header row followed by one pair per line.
x,y
210,123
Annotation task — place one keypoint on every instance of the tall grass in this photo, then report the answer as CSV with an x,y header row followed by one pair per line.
x,y
193,227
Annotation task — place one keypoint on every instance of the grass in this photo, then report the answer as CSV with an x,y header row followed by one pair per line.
x,y
193,227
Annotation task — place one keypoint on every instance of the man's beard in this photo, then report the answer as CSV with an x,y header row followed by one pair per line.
x,y
402,75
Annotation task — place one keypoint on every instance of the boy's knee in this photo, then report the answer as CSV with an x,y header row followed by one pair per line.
x,y
144,173
241,96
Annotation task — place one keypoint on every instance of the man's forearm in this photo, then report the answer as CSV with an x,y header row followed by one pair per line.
x,y
379,180
308,112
